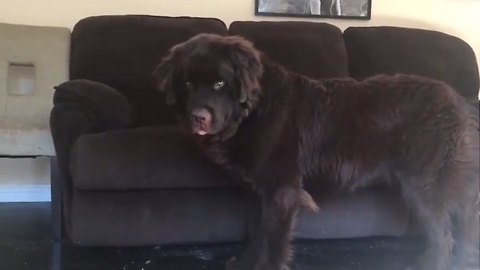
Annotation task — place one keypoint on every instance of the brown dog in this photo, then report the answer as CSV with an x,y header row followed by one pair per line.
x,y
273,127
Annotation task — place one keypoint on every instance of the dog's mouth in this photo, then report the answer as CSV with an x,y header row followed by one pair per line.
x,y
201,132
201,121
199,129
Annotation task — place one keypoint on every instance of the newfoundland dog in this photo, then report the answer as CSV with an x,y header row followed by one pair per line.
x,y
274,128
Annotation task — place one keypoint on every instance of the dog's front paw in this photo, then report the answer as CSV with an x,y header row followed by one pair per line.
x,y
270,267
245,263
239,264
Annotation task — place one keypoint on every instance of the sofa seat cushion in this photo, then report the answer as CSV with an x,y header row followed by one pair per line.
x,y
312,49
191,216
142,158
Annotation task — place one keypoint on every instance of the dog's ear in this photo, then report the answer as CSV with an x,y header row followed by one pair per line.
x,y
164,72
248,65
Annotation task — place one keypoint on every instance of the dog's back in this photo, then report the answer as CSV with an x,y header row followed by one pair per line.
x,y
409,130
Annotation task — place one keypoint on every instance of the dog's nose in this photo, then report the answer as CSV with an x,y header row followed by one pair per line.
x,y
200,116
197,119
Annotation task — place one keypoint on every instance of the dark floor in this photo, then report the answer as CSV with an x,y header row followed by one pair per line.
x,y
25,243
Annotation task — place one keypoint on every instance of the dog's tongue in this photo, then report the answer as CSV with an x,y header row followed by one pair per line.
x,y
199,131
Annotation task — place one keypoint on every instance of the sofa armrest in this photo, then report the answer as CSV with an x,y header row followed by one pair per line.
x,y
84,107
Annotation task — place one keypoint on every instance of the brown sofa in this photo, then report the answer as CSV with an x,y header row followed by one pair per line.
x,y
124,174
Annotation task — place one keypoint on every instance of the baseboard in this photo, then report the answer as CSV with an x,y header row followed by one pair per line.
x,y
25,193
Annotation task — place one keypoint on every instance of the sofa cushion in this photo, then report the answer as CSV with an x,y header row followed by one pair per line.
x,y
387,49
186,216
142,158
122,51
313,49
157,217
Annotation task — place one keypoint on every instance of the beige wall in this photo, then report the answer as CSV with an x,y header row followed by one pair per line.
x,y
24,171
458,17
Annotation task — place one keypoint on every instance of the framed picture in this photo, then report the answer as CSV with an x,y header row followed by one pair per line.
x,y
338,9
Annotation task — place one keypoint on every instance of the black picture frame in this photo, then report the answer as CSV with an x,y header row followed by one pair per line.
x,y
332,9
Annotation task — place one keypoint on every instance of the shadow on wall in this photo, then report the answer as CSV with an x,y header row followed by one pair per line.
x,y
382,20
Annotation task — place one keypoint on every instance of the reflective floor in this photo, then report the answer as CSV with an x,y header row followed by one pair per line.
x,y
25,243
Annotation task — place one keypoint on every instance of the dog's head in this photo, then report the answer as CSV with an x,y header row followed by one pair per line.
x,y
212,80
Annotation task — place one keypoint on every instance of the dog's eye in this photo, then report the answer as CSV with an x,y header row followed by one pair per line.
x,y
218,85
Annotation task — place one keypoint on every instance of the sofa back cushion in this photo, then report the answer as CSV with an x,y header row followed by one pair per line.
x,y
313,49
390,50
122,51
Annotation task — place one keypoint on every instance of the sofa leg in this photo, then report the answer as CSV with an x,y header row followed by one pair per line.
x,y
56,201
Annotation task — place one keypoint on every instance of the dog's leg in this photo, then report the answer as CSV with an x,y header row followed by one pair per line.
x,y
467,236
464,181
272,248
253,238
433,215
279,208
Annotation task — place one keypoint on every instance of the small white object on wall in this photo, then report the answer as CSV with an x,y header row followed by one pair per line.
x,y
21,79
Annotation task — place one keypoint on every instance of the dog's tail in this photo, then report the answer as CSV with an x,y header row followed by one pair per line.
x,y
307,201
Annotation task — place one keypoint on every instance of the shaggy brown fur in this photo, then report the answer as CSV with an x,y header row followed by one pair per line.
x,y
274,128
